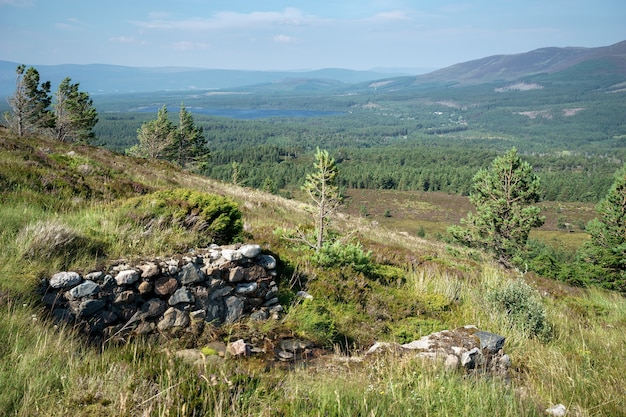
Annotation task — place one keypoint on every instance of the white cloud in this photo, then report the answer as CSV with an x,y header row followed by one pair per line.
x,y
230,20
128,40
190,46
16,3
284,39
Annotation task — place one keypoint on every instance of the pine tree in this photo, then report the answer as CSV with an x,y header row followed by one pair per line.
x,y
74,113
504,214
155,137
29,104
189,146
606,251
321,186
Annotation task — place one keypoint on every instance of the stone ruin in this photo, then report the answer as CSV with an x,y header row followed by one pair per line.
x,y
215,285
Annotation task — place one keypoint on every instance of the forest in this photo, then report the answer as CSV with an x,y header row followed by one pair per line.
x,y
429,139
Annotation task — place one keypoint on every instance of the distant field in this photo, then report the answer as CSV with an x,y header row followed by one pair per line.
x,y
433,212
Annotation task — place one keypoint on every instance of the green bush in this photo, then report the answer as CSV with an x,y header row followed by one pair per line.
x,y
211,218
522,306
338,254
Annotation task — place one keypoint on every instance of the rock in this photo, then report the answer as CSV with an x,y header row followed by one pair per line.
x,y
490,341
260,315
152,308
220,292
247,288
238,348
558,410
95,276
165,285
423,343
234,309
294,345
304,294
452,362
190,356
469,359
127,277
379,347
285,356
65,279
86,289
173,318
250,251
90,307
271,302
144,287
125,297
255,273
149,270
190,274
266,261
231,255
181,296
236,274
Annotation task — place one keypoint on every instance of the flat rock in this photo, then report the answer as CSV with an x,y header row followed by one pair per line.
x,y
65,279
86,289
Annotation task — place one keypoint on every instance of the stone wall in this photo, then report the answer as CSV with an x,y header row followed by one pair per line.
x,y
215,285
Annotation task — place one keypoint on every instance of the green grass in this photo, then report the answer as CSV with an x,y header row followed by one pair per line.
x,y
414,286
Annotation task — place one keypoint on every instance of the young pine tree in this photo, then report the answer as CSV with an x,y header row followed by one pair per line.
x,y
504,214
189,146
321,186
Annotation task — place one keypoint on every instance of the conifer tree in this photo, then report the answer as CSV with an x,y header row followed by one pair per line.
x,y
189,146
504,214
154,136
606,251
75,115
29,104
321,186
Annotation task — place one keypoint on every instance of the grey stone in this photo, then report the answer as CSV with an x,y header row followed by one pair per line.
x,y
95,276
250,251
152,308
190,274
124,297
86,289
558,410
65,279
247,288
490,341
271,302
294,345
215,311
127,277
181,296
173,318
259,315
90,307
303,294
231,255
234,309
266,261
469,359
220,292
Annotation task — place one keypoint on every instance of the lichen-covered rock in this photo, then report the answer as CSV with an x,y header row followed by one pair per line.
x,y
65,279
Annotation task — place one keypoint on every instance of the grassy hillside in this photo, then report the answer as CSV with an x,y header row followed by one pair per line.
x,y
66,207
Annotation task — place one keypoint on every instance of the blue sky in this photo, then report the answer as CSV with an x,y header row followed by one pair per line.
x,y
287,35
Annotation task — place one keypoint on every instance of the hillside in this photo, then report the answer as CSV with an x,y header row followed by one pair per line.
x,y
571,354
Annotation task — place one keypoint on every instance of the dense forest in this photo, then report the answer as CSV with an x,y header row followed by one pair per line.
x,y
430,140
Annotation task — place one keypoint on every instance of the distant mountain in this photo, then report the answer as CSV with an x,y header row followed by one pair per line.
x,y
607,60
110,79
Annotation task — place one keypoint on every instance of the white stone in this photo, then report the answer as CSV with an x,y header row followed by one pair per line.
x,y
65,279
558,410
250,251
129,276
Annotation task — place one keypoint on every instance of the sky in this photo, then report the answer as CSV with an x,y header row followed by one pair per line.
x,y
298,34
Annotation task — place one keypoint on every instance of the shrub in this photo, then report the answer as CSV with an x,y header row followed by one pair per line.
x,y
337,254
522,306
211,218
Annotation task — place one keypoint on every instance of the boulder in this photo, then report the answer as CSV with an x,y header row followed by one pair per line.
x,y
127,277
250,251
86,289
65,279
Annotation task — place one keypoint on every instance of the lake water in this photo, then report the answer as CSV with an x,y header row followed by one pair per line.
x,y
248,113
